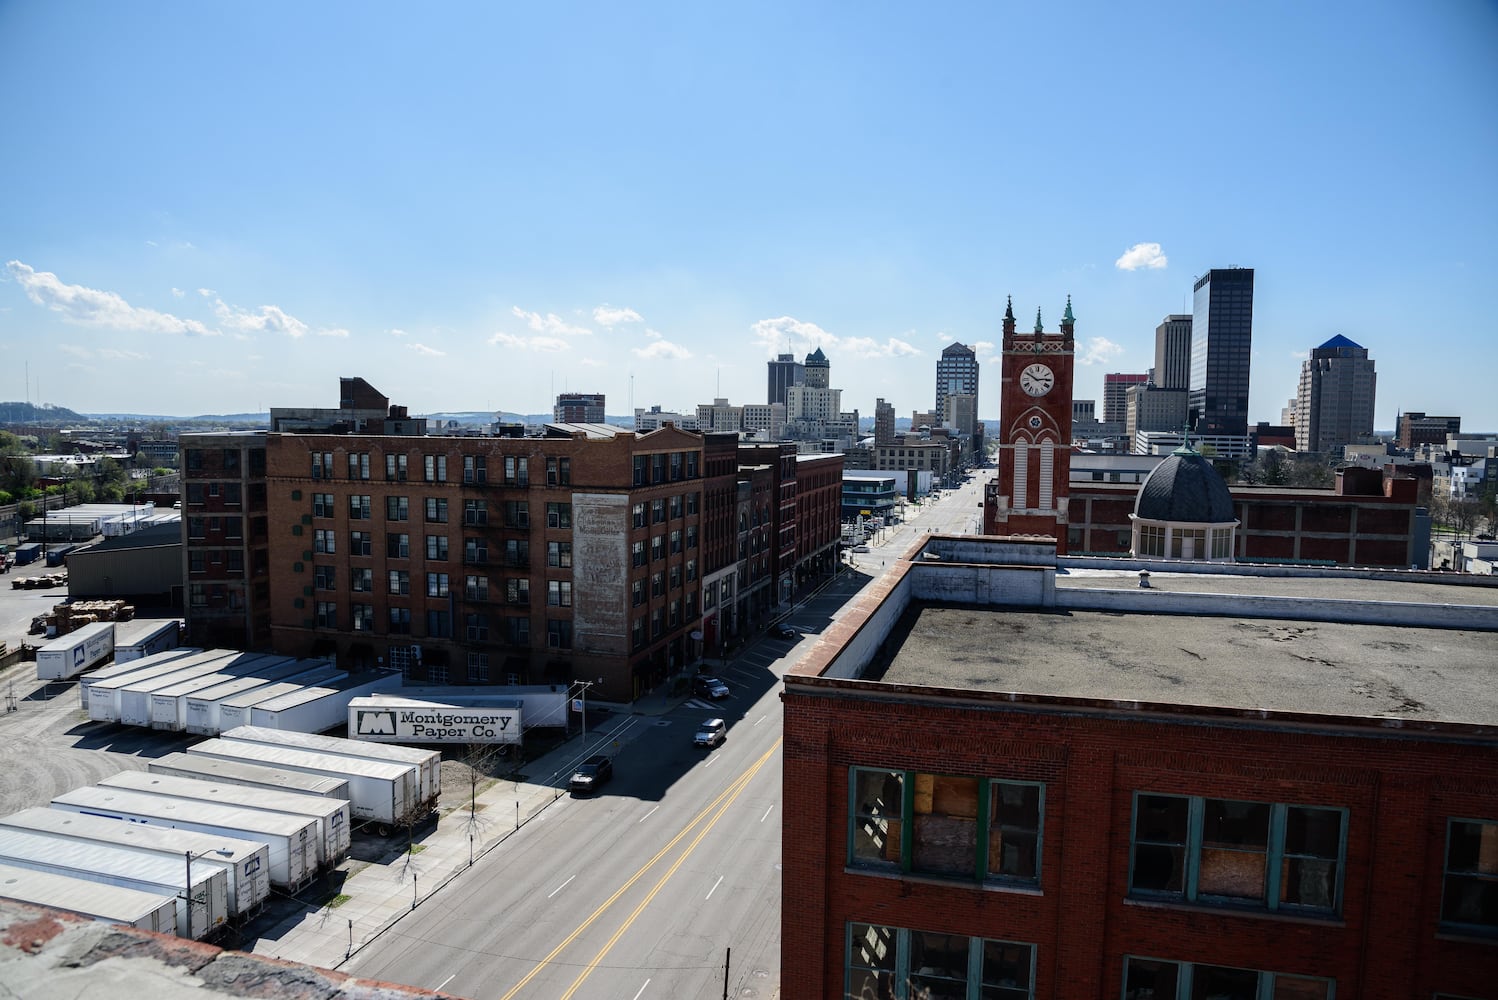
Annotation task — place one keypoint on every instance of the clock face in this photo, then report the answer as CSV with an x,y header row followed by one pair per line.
x,y
1036,380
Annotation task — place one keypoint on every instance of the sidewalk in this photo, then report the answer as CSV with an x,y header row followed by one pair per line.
x,y
378,894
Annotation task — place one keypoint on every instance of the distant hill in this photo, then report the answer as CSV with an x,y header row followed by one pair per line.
x,y
37,413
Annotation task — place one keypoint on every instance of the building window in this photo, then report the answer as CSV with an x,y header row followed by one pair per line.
x,y
397,508
476,627
400,624
657,623
327,614
675,577
436,584
692,503
434,468
1151,540
395,468
676,465
361,580
195,561
1148,977
439,625
322,504
363,617
673,615
360,543
517,514
400,581
475,551
657,511
558,472
675,507
979,829
358,465
636,593
637,634
322,577
475,471
559,515
558,633
640,476
478,668
1270,855
657,585
559,554
358,507
517,553
1222,543
691,570
517,591
516,471
675,542
324,540
436,510
658,547
559,593
637,553
1469,891
322,464
639,515
437,547
476,512
894,962
476,588
518,631
691,605
397,546
691,536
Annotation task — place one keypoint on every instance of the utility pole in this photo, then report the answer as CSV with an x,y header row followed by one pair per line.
x,y
727,954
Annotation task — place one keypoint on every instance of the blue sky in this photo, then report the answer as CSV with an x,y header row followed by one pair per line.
x,y
224,207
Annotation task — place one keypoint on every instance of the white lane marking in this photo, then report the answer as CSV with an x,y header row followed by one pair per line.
x,y
757,721
642,990
560,887
709,762
767,814
713,889
444,982
647,815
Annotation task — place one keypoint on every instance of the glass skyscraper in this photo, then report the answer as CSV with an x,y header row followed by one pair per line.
x,y
1222,325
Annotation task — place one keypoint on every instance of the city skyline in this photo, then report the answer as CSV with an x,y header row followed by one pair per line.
x,y
490,208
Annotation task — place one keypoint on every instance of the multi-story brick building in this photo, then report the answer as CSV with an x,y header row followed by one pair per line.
x,y
1000,781
225,540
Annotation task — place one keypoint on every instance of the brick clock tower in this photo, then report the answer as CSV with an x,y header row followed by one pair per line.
x,y
1030,494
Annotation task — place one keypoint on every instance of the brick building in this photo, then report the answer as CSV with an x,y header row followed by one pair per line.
x,y
1004,782
225,539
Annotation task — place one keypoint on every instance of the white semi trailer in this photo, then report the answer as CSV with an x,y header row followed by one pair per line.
x,y
149,911
246,862
116,670
69,655
291,841
204,707
141,637
234,772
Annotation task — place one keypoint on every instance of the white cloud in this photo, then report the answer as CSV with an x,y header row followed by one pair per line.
x,y
336,331
514,343
981,346
430,352
207,293
868,347
1300,355
593,363
653,334
1145,255
551,323
92,307
151,243
268,319
662,350
117,354
611,316
1099,350
178,293
397,332
76,350
775,334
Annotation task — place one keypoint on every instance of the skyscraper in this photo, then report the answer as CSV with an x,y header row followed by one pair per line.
x,y
1334,406
884,422
1116,395
1222,325
785,371
578,408
956,374
1173,352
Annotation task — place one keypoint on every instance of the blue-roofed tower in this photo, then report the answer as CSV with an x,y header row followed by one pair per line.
x,y
1334,403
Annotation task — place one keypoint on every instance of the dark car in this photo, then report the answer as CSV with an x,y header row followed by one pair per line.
x,y
591,773
710,687
784,631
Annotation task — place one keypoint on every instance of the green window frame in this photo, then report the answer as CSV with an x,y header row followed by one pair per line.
x,y
909,965
1469,878
1266,855
949,817
1166,980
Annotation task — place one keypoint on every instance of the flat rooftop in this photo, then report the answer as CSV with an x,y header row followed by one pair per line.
x,y
1422,676
1433,588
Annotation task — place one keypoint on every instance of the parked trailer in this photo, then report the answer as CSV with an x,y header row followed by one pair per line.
x,y
203,909
135,697
383,794
235,711
332,815
141,637
234,772
106,694
247,862
428,763
169,705
70,655
28,553
203,707
148,911
290,841
319,709
116,670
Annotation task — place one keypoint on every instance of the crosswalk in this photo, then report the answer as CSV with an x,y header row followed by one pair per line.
x,y
702,703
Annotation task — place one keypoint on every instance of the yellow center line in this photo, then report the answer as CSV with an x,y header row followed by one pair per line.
x,y
742,783
733,788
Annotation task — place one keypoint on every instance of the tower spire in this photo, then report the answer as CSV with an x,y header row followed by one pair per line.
x,y
1038,327
1068,319
1009,307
